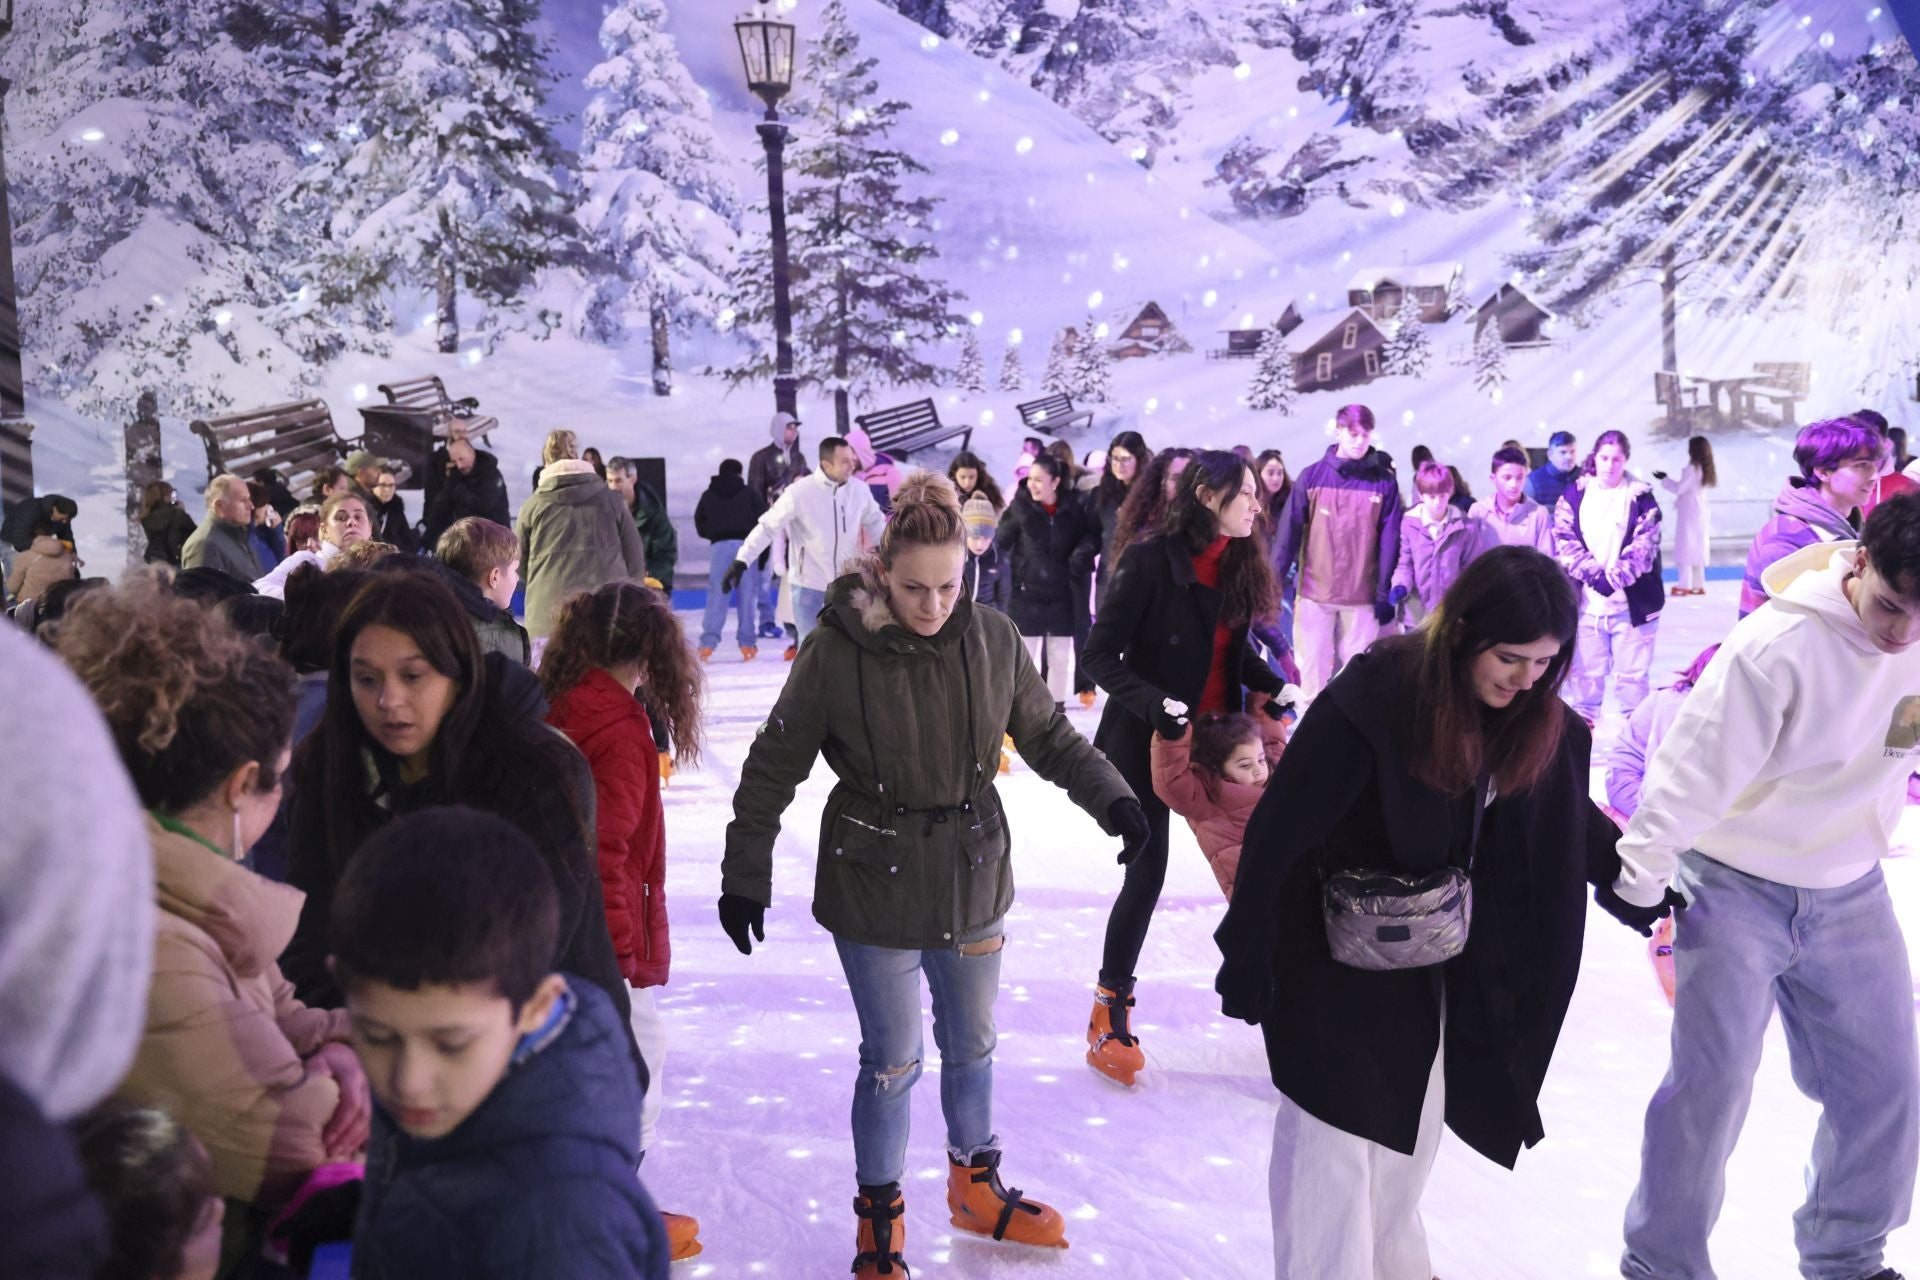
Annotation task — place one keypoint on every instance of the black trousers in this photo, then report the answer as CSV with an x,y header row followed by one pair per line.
x,y
1140,893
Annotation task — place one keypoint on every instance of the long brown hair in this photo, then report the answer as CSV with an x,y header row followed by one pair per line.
x,y
1273,502
1507,595
1146,503
424,609
158,493
1247,590
1700,454
983,481
625,622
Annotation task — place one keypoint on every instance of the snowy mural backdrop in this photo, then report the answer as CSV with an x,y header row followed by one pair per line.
x,y
1215,220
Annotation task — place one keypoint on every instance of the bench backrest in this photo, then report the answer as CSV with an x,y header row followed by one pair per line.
x,y
296,439
1795,376
1046,407
417,393
1666,388
902,422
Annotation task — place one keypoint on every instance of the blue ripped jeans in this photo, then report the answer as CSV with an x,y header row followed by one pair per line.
x,y
1834,962
885,982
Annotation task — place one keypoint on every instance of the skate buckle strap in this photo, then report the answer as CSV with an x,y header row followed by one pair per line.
x,y
884,1257
1010,1201
1117,1018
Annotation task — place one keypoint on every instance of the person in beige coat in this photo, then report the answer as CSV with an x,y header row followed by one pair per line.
x,y
46,560
575,535
269,1086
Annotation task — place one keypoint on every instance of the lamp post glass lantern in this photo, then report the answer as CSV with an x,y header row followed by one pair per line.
x,y
766,49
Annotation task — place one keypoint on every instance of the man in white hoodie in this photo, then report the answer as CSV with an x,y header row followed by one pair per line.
x,y
823,517
1769,804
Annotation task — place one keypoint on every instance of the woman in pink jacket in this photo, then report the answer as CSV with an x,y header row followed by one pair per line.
x,y
204,722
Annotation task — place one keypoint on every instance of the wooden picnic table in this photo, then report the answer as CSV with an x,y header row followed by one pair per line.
x,y
1731,384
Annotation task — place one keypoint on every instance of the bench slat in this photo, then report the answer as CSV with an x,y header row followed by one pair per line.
x,y
318,455
229,425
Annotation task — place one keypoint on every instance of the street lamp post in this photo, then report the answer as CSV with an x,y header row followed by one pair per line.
x,y
766,47
16,462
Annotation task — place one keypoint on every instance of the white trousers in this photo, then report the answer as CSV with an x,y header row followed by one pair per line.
x,y
1053,655
650,1033
1608,644
1345,1208
1325,636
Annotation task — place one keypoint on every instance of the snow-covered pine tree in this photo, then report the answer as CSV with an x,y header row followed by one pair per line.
x,y
1013,369
1273,385
449,179
1057,377
658,205
1490,360
1091,373
971,373
864,310
1409,350
147,138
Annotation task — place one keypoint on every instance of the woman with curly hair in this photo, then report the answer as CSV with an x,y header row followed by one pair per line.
x,y
203,719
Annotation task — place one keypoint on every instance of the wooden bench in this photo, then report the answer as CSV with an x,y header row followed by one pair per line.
x,y
907,427
297,439
1054,415
1681,401
418,416
1786,385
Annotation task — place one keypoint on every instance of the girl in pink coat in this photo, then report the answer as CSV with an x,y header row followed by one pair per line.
x,y
1215,774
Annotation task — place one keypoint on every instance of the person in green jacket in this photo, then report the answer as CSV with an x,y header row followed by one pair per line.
x,y
225,542
908,689
649,509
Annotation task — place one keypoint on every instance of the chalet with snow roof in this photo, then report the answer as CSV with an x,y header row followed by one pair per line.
x,y
1345,349
1244,344
1522,321
1435,286
1139,330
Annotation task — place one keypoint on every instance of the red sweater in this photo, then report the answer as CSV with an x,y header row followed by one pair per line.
x,y
611,729
1206,567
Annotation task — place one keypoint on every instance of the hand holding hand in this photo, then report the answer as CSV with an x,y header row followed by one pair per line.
x,y
1639,919
735,571
1129,821
1396,595
346,1131
1171,720
739,915
1383,612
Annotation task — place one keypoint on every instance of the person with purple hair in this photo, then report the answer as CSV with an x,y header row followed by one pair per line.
x,y
1839,461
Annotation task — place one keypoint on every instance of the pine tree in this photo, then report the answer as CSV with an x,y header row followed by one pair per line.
x,y
1091,373
658,205
448,176
1409,351
1013,371
1057,378
1490,359
863,309
971,373
1273,385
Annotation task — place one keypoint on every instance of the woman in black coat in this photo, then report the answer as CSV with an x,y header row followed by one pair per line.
x,y
1173,628
1447,747
416,718
1049,538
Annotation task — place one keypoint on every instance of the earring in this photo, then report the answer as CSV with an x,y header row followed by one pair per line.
x,y
238,853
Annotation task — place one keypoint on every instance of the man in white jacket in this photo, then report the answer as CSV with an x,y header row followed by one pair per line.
x,y
823,516
1770,804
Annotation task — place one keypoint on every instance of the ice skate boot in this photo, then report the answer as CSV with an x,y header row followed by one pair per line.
x,y
1087,698
983,1206
792,652
1111,1048
882,1235
748,652
706,653
683,1236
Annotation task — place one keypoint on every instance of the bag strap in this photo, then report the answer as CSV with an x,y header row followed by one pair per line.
x,y
1482,797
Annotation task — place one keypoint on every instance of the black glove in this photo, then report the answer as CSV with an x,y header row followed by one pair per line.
x,y
1169,727
1383,612
1640,919
735,571
1659,475
738,915
1129,821
1246,989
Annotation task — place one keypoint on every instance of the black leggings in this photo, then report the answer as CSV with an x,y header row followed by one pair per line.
x,y
1139,895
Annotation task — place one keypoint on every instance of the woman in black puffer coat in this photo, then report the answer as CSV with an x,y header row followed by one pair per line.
x,y
1049,537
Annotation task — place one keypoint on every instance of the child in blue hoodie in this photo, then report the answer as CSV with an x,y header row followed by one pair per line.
x,y
508,1111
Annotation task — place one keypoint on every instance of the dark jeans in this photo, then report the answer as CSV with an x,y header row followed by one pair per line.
x,y
1139,895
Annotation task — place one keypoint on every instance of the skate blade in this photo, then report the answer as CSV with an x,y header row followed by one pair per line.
x,y
986,1237
1128,1084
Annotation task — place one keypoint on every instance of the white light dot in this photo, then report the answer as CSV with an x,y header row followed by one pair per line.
x,y
1242,71
473,356
158,300
977,317
1210,297
1398,208
1153,403
1406,419
223,318
1095,298
983,95
1138,153
92,135
1015,337
986,417
929,41
1579,376
1023,146
359,391
1293,113
1826,39
950,137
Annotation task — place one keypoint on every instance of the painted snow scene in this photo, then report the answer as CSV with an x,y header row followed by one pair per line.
x,y
1210,221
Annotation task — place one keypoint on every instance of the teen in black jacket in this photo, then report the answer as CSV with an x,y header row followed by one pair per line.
x,y
1049,538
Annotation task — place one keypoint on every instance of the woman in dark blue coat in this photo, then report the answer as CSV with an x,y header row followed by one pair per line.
x,y
1049,538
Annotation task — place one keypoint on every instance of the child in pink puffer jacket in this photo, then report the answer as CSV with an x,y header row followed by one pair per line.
x,y
1214,774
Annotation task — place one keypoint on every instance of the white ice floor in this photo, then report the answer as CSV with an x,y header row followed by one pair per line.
x,y
1168,1181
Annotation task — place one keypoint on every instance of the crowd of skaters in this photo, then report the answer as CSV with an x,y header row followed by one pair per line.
x,y
394,857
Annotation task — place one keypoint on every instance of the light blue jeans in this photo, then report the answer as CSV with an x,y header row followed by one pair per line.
x,y
885,982
1835,962
807,604
1610,645
747,593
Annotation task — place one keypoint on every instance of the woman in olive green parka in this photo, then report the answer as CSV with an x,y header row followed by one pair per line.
x,y
907,690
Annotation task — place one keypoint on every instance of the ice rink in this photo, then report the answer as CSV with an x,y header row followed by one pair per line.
x,y
1169,1180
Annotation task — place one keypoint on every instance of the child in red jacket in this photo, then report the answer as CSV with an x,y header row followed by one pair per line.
x,y
609,648
1215,774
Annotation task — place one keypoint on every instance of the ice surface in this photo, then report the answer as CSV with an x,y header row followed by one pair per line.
x,y
1168,1181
